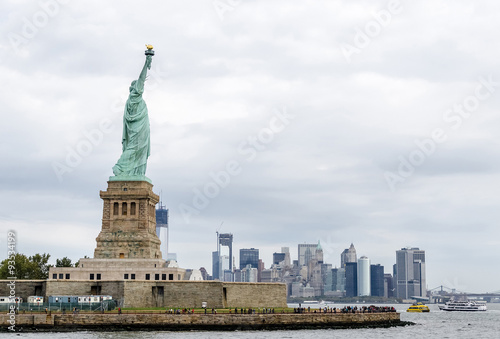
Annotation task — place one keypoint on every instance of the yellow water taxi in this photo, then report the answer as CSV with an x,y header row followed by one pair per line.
x,y
418,308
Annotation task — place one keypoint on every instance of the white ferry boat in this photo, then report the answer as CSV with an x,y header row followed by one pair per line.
x,y
464,306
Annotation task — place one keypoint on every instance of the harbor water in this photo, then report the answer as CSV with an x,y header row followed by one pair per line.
x,y
435,324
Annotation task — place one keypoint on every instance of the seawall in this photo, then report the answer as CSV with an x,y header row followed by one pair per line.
x,y
147,293
215,322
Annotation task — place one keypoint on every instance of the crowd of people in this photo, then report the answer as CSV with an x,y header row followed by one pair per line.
x,y
214,311
346,309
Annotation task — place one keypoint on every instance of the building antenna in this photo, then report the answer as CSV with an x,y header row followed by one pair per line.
x,y
161,200
217,233
220,226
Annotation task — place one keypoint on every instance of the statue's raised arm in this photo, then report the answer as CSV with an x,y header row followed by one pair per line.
x,y
135,138
142,76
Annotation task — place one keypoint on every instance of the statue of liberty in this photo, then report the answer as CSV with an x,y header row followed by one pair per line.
x,y
135,138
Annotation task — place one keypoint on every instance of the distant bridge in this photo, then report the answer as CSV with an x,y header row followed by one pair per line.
x,y
443,293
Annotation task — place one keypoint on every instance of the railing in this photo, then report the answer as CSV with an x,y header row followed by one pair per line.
x,y
105,305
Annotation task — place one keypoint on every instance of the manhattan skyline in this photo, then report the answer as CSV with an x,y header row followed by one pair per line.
x,y
374,123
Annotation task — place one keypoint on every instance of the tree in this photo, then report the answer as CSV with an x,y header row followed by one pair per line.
x,y
64,262
16,266
23,267
40,266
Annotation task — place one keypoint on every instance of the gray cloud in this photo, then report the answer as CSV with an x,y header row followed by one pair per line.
x,y
219,82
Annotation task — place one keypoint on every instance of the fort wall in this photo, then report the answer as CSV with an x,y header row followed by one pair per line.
x,y
142,293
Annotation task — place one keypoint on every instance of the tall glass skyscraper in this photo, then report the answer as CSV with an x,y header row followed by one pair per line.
x,y
410,273
249,256
351,279
377,280
364,282
162,228
215,265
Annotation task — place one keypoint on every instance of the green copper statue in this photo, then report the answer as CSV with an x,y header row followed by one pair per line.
x,y
135,139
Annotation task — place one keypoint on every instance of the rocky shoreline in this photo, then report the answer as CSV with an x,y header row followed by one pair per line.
x,y
205,322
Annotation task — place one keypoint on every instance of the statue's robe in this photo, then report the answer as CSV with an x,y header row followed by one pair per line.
x,y
135,140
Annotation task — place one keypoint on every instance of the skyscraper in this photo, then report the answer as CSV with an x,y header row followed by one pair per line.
x,y
327,277
162,227
249,256
260,269
351,279
224,263
306,253
334,279
223,239
286,250
377,280
348,255
364,282
249,274
410,273
278,257
338,279
388,285
215,265
226,239
319,253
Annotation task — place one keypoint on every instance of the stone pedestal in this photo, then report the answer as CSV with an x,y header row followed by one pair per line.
x,y
128,222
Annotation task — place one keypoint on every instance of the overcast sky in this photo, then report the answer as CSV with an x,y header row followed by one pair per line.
x,y
371,122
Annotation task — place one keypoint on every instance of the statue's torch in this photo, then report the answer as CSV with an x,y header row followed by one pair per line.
x,y
149,50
